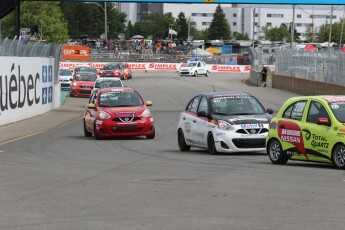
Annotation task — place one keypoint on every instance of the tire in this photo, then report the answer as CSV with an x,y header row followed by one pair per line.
x,y
195,74
275,152
70,94
211,146
95,134
206,75
151,136
338,156
182,142
86,132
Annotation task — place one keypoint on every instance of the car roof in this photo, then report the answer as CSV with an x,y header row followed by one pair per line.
x,y
108,79
122,89
223,93
320,97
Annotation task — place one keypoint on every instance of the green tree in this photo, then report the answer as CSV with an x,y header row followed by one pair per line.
x,y
240,36
116,21
182,26
52,26
219,28
157,25
276,33
130,29
137,28
296,35
323,35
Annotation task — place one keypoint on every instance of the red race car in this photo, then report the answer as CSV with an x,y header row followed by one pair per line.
x,y
113,112
112,70
82,84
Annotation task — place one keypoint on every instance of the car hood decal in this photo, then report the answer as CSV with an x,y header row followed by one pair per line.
x,y
244,119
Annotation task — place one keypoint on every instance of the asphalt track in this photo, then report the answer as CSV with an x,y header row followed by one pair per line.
x,y
52,177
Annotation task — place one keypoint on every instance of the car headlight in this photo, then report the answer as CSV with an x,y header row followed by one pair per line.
x,y
146,113
223,125
103,115
75,83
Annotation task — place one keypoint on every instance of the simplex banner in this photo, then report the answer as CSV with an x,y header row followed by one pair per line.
x,y
161,66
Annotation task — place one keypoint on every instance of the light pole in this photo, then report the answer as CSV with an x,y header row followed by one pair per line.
x,y
105,17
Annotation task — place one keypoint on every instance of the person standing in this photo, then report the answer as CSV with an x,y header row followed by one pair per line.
x,y
264,76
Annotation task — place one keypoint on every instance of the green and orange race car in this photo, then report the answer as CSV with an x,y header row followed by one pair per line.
x,y
309,128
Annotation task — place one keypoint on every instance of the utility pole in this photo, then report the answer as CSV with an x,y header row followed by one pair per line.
x,y
253,37
330,30
293,26
342,29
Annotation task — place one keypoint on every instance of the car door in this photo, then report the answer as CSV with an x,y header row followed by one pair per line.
x,y
189,120
202,123
316,136
201,68
90,113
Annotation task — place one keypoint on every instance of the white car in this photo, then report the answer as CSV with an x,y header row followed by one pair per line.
x,y
229,121
106,82
194,68
65,76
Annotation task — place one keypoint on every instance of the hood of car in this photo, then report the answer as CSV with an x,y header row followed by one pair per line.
x,y
244,119
124,111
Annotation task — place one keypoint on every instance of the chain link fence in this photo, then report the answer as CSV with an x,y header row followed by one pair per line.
x,y
23,48
322,66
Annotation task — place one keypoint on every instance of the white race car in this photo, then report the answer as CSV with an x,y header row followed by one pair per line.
x,y
194,68
229,121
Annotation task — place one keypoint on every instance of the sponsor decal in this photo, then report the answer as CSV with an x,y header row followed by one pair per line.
x,y
17,91
251,126
290,132
162,66
137,66
335,99
273,125
226,68
75,52
291,153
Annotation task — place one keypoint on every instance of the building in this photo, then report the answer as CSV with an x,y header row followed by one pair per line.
x,y
242,19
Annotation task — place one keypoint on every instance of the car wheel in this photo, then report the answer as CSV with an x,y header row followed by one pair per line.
x,y
95,134
275,152
195,74
151,136
181,141
338,156
211,146
206,75
71,94
86,132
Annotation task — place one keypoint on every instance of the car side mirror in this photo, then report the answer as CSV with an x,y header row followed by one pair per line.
x,y
269,111
203,114
323,121
91,106
148,103
71,79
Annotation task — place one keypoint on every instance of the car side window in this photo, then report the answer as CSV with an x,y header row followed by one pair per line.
x,y
193,105
203,105
316,110
92,99
295,111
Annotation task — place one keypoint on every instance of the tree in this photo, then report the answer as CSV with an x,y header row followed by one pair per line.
x,y
296,35
52,27
219,28
157,25
182,26
240,36
323,35
276,33
116,21
130,29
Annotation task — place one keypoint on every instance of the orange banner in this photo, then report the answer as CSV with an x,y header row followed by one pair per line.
x,y
76,52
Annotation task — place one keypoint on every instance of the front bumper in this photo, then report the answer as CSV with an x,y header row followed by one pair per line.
x,y
110,128
232,141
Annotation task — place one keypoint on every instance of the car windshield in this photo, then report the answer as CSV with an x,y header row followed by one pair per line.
x,y
111,67
120,99
338,109
85,77
87,69
108,83
65,72
237,104
191,64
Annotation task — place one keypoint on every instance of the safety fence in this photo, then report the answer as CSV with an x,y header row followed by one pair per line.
x,y
23,48
321,66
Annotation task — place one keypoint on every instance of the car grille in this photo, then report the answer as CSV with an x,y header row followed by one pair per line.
x,y
126,119
86,86
82,91
65,85
249,142
126,129
252,131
